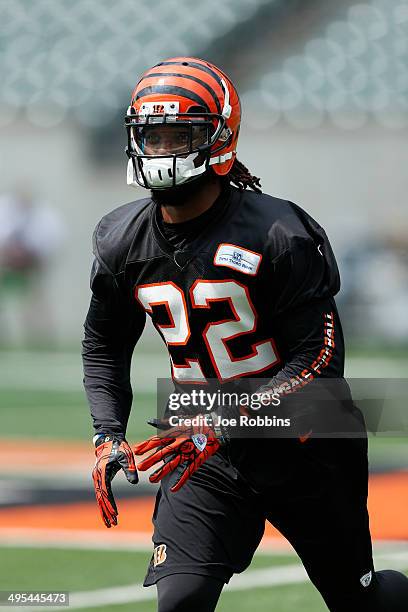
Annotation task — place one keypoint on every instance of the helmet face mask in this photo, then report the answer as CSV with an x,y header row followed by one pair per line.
x,y
169,150
173,133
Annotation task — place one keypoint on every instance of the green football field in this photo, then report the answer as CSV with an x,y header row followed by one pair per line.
x,y
63,415
79,571
89,576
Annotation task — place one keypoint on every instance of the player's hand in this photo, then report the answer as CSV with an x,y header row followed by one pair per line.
x,y
112,454
190,445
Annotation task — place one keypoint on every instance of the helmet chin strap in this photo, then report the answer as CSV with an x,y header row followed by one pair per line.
x,y
220,159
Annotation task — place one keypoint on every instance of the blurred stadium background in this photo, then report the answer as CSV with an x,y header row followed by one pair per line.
x,y
324,89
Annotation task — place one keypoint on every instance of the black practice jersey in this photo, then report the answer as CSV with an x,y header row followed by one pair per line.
x,y
248,294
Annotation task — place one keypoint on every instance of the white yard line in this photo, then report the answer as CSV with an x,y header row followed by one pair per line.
x,y
289,574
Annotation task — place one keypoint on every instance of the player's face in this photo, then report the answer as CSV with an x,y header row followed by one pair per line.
x,y
169,139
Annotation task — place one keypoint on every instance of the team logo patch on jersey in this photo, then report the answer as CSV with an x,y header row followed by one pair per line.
x,y
159,554
366,579
238,258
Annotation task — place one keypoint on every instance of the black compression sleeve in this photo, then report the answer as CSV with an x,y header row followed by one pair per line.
x,y
310,383
311,343
112,328
186,592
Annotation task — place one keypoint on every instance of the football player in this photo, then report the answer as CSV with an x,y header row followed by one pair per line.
x,y
240,286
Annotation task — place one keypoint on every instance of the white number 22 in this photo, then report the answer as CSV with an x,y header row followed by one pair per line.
x,y
216,334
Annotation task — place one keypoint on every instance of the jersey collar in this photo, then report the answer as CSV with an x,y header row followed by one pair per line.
x,y
182,256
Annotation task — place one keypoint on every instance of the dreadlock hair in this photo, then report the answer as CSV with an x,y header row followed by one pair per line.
x,y
242,178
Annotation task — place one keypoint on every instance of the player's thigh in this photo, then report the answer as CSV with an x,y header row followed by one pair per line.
x,y
323,513
211,526
187,592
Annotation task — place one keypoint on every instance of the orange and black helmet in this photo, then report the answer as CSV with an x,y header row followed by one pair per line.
x,y
184,117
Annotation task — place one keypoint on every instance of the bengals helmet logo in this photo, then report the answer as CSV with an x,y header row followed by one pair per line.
x,y
158,109
159,554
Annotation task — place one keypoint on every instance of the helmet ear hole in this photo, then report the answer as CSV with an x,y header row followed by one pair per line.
x,y
198,110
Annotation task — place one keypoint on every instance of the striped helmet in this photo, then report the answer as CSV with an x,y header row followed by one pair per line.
x,y
183,118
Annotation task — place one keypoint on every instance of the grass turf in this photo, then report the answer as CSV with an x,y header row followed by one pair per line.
x,y
63,415
76,570
55,568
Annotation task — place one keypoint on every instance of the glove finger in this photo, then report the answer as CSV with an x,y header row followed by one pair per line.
x,y
126,461
102,509
150,460
112,468
193,466
159,423
106,496
165,469
158,455
212,447
107,510
188,471
108,517
153,442
104,492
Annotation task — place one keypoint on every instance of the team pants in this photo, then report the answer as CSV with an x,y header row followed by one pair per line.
x,y
316,497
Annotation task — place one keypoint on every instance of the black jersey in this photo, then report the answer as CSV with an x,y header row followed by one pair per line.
x,y
249,295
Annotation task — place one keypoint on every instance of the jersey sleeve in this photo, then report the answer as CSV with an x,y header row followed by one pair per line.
x,y
300,262
303,277
112,327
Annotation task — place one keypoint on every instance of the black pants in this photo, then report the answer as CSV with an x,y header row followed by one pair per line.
x,y
315,494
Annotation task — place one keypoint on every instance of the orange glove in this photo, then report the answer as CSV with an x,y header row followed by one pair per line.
x,y
112,454
185,444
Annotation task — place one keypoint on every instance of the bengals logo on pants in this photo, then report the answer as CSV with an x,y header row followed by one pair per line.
x,y
159,554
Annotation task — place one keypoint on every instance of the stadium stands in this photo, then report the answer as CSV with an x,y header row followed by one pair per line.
x,y
83,56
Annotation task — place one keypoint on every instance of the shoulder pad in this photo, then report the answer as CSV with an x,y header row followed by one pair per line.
x,y
112,237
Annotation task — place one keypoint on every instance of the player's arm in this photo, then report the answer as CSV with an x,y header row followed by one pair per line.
x,y
311,348
306,327
111,331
